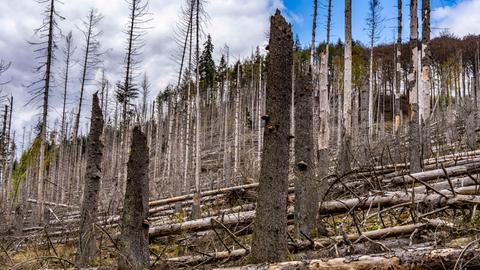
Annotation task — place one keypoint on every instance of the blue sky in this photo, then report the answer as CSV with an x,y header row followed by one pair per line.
x,y
301,12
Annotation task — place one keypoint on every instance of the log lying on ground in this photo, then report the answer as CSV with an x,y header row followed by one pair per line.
x,y
434,174
206,193
201,224
445,198
402,170
455,182
54,204
318,243
401,258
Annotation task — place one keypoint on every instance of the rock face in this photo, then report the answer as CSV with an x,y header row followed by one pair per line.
x,y
86,245
270,234
134,233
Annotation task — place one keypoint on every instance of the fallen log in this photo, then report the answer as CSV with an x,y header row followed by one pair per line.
x,y
205,193
201,224
434,174
318,243
53,204
400,258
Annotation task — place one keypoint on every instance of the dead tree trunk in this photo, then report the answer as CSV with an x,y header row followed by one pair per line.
x,y
86,244
305,186
415,144
270,233
346,127
398,63
134,234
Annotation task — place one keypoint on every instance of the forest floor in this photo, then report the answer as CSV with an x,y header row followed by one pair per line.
x,y
383,217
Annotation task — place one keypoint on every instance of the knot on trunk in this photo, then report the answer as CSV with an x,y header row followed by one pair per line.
x,y
302,165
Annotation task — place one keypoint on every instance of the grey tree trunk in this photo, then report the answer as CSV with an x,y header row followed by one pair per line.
x,y
134,234
415,144
305,184
398,72
270,232
314,30
424,94
86,240
48,65
346,127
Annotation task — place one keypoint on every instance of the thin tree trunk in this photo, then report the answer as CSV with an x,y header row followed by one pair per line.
x,y
415,144
346,127
43,135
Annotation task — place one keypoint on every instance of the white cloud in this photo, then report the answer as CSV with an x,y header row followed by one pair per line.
x,y
242,24
461,19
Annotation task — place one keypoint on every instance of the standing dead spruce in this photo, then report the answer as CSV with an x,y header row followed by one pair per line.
x,y
134,233
270,234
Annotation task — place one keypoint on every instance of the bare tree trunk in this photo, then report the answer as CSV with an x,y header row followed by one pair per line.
x,y
398,63
324,106
196,205
323,157
424,95
415,143
43,135
346,127
134,234
236,147
305,184
270,233
86,240
314,30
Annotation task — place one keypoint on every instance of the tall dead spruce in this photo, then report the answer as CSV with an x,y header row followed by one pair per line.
x,y
305,190
415,144
86,241
134,232
270,233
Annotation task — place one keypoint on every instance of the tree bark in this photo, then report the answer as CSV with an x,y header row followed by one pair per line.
x,y
305,184
270,233
134,233
86,241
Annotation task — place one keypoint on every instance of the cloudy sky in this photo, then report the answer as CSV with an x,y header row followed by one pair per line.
x,y
242,24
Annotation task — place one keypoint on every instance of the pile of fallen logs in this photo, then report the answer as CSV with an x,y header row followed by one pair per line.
x,y
382,216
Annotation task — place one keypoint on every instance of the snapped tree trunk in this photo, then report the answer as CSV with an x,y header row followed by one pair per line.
x,y
134,233
86,240
270,232
305,184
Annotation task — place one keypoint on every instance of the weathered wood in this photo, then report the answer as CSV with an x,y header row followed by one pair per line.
x,y
188,197
434,174
134,233
86,248
54,204
302,245
269,240
400,258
